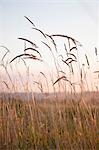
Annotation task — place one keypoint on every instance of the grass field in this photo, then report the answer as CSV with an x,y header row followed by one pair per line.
x,y
54,122
49,125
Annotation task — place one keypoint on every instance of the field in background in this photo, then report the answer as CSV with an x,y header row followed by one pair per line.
x,y
49,124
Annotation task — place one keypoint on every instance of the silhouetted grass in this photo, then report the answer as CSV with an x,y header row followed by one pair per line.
x,y
53,123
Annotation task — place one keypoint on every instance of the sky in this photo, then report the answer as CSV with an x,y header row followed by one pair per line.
x,y
75,18
78,18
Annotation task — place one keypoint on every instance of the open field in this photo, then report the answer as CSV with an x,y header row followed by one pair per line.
x,y
49,124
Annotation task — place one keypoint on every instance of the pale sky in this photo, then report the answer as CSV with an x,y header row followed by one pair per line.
x,y
78,18
75,18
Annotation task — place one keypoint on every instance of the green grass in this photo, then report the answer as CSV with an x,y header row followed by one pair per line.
x,y
48,125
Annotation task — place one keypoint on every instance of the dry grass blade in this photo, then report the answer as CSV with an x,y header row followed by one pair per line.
x,y
75,41
47,45
62,72
24,62
63,77
52,41
35,58
43,74
6,52
39,85
72,55
30,48
65,62
72,60
6,84
40,31
30,55
24,44
5,48
81,74
30,21
68,37
72,70
65,48
96,51
33,44
60,35
36,82
4,55
61,56
65,36
69,43
87,60
73,48
69,61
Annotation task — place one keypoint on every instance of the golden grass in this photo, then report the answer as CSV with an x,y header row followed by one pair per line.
x,y
48,125
53,123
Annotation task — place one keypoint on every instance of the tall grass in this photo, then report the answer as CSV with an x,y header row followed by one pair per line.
x,y
48,124
59,122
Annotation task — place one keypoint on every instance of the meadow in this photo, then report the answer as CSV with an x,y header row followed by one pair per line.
x,y
69,122
49,124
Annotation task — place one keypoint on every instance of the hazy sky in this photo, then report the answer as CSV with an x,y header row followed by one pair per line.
x,y
76,18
